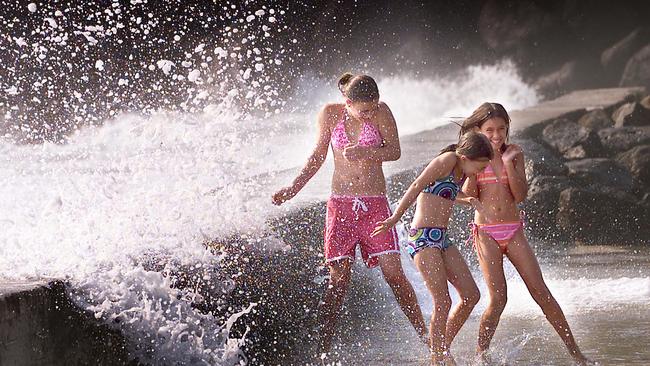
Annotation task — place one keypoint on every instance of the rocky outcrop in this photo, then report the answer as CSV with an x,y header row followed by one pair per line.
x,y
637,160
600,172
593,217
631,114
541,205
571,140
614,58
596,120
637,70
616,140
41,326
601,193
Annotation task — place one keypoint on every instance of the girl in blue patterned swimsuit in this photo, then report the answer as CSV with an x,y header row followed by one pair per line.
x,y
436,190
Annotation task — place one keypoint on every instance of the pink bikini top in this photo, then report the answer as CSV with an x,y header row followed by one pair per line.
x,y
487,176
368,137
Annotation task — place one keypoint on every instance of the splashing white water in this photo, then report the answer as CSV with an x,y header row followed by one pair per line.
x,y
95,210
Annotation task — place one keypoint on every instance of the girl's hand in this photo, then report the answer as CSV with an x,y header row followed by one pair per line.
x,y
385,225
353,152
283,195
511,152
478,205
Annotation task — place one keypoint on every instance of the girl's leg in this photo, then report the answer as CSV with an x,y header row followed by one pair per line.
x,y
490,259
523,258
333,300
461,278
432,267
391,268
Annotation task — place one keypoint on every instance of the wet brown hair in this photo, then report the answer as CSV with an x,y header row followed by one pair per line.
x,y
473,145
358,88
484,112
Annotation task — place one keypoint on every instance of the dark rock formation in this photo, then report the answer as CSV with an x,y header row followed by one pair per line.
x,y
637,70
616,140
571,139
593,217
637,160
600,172
540,160
541,205
631,114
596,120
614,58
43,327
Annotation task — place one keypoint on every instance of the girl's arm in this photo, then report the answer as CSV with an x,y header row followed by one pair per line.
x,y
389,150
513,158
468,191
315,160
437,168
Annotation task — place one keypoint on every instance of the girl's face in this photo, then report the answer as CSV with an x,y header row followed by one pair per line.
x,y
496,130
363,110
470,166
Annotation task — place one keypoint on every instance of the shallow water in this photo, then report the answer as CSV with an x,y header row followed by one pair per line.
x,y
604,292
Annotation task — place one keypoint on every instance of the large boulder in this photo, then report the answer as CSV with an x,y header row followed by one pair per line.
x,y
572,140
571,75
637,70
595,120
631,114
614,58
541,205
540,160
617,140
600,172
637,161
645,102
594,217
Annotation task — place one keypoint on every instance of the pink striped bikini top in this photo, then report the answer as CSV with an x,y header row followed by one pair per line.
x,y
368,137
487,176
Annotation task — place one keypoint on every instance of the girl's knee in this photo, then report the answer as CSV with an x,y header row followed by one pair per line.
x,y
471,298
498,302
442,303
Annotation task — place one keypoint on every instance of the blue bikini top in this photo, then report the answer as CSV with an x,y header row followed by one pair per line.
x,y
446,187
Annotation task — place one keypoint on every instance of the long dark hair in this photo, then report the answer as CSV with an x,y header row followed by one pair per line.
x,y
484,112
473,145
359,88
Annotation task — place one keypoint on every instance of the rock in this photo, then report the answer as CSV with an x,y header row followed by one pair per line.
x,y
614,58
645,102
572,75
541,205
596,120
637,161
631,114
593,217
557,81
601,172
539,160
571,139
616,140
637,69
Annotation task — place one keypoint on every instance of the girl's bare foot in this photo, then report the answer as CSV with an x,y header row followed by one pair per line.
x,y
580,360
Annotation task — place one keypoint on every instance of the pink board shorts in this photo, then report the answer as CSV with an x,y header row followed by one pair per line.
x,y
350,221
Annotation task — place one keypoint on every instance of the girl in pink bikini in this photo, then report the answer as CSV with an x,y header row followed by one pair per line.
x,y
363,134
498,228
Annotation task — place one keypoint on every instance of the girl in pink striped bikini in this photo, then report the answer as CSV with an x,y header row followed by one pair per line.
x,y
498,229
363,134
